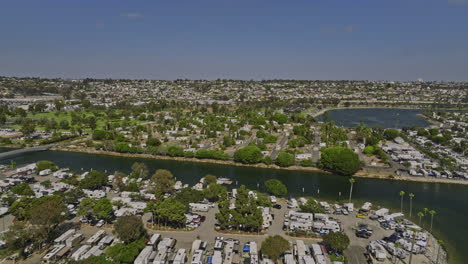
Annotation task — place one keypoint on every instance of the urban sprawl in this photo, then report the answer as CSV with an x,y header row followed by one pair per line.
x,y
151,217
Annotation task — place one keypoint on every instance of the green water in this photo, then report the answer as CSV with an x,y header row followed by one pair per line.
x,y
449,200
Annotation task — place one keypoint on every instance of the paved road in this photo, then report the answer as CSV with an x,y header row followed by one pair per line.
x,y
316,145
279,146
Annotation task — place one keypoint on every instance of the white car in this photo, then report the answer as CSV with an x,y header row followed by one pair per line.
x,y
100,223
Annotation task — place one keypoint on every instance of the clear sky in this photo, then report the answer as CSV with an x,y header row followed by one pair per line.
x,y
239,39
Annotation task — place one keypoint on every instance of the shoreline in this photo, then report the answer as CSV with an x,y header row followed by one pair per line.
x,y
323,110
359,174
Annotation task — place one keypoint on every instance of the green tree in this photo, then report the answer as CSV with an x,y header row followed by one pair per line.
x,y
163,180
214,191
27,127
209,179
369,150
175,151
189,195
432,213
139,170
22,189
48,212
44,165
311,206
285,159
129,228
21,209
276,187
274,247
153,142
391,134
59,104
228,141
103,208
402,194
340,160
171,212
125,253
336,241
86,207
420,215
411,196
249,155
351,181
94,180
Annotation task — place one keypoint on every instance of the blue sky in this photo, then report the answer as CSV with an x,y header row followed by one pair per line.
x,y
239,39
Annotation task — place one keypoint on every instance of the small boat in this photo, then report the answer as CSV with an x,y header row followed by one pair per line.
x,y
224,181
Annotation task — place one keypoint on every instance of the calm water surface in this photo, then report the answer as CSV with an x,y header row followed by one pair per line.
x,y
449,200
385,117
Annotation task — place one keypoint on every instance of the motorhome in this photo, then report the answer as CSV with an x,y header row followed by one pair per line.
x,y
51,255
197,257
217,257
153,241
180,257
143,257
96,237
62,238
289,259
377,250
78,254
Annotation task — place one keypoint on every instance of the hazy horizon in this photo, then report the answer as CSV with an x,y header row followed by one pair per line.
x,y
261,40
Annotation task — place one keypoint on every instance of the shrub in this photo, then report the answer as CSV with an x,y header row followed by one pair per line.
x,y
285,159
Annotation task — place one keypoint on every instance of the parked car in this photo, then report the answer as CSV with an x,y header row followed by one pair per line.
x,y
100,223
361,216
363,234
277,206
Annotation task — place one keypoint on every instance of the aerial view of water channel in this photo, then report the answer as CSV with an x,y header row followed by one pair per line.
x,y
447,199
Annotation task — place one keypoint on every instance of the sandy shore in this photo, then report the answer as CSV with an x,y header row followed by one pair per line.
x,y
360,174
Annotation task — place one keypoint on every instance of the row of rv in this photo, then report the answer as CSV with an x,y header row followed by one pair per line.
x,y
318,223
306,254
69,245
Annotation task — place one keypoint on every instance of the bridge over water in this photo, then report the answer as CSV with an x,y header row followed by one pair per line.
x,y
16,152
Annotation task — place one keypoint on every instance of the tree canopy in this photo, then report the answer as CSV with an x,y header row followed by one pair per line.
x,y
163,180
274,246
311,206
94,180
129,228
285,159
248,155
276,187
171,212
336,241
340,160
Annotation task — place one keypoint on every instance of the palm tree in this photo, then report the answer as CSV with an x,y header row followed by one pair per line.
x,y
402,194
425,210
351,180
412,243
432,213
440,242
420,214
411,196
